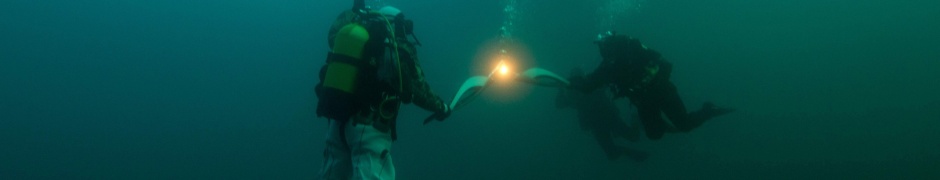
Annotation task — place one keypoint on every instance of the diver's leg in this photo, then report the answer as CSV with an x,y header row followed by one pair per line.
x,y
631,133
651,118
337,164
674,108
370,149
607,144
686,121
614,151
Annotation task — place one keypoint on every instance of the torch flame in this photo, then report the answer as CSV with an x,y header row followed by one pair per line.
x,y
502,69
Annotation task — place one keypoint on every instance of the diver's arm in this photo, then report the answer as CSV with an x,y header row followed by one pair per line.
x,y
422,96
602,75
417,87
414,86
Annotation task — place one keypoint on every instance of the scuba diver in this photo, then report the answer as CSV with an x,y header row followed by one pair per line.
x,y
598,113
371,69
642,75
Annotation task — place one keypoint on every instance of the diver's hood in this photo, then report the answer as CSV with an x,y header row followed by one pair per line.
x,y
403,26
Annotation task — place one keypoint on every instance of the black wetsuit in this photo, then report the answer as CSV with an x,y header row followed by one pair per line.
x,y
598,113
644,78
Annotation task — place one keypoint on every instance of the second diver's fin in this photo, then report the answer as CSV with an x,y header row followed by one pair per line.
x,y
542,77
711,110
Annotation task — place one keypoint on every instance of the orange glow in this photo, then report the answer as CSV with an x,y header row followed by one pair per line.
x,y
502,69
491,58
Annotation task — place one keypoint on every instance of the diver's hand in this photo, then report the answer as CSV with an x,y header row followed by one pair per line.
x,y
442,114
577,83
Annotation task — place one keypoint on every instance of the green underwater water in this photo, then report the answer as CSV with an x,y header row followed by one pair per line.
x,y
98,89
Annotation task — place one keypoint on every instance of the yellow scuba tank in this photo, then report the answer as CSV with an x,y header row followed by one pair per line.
x,y
362,68
350,42
342,76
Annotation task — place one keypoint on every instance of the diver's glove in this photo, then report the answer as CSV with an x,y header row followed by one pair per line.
x,y
442,114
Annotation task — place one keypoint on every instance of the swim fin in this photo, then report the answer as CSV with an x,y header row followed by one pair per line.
x,y
711,110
